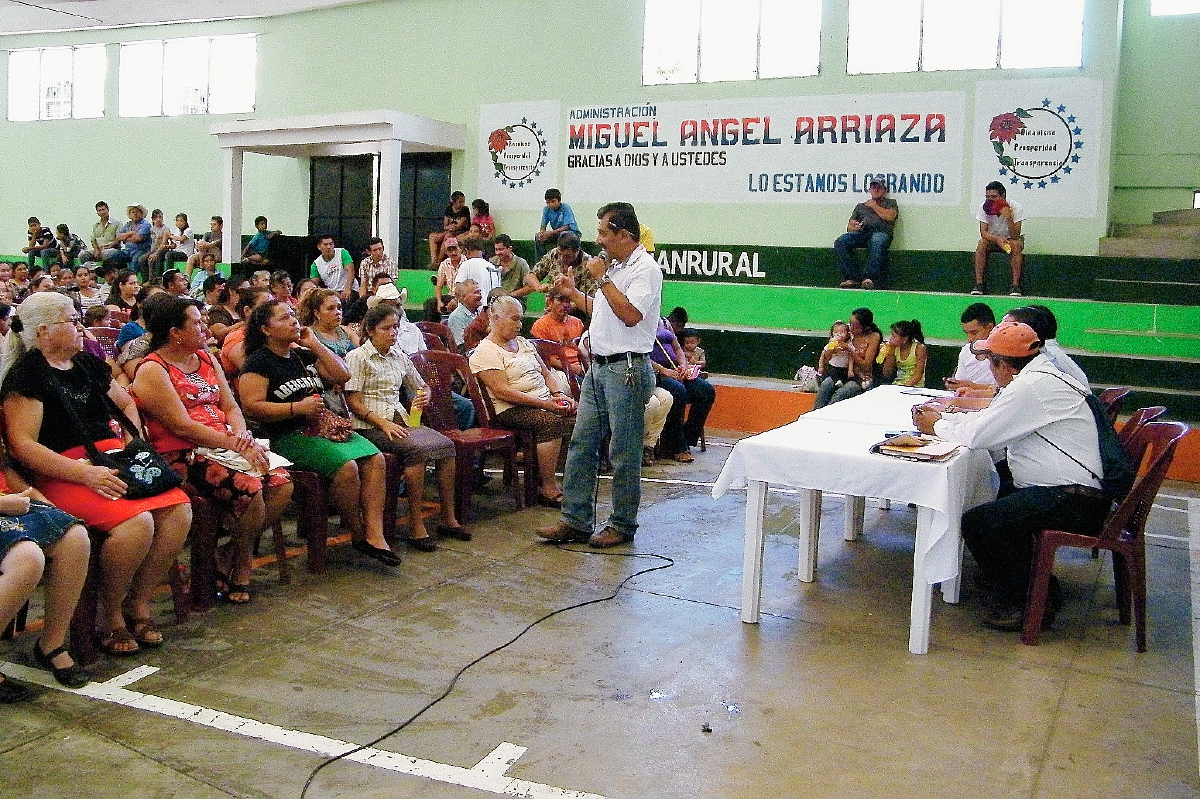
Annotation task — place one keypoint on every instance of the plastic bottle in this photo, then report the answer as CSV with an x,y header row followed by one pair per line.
x,y
414,415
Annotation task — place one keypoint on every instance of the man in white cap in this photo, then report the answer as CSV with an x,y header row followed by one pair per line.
x,y
1041,418
134,237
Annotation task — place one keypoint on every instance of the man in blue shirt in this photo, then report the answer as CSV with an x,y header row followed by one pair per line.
x,y
557,217
256,249
133,236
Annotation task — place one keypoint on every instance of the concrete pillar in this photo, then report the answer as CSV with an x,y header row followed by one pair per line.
x,y
231,203
388,199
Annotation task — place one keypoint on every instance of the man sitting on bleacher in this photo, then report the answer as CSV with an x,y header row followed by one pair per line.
x,y
870,226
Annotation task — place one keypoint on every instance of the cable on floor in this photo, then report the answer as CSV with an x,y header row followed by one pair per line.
x,y
454,681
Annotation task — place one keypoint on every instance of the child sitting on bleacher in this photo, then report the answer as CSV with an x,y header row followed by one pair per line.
x,y
835,357
689,339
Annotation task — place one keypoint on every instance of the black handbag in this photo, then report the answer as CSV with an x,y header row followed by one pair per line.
x,y
139,465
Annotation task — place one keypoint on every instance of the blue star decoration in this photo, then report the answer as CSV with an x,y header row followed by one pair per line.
x,y
1041,184
1029,184
1077,130
1056,178
1061,108
1074,159
524,120
1078,145
1067,169
1003,170
1071,119
1013,180
1046,103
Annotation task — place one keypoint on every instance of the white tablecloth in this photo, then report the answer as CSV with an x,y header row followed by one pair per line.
x,y
828,450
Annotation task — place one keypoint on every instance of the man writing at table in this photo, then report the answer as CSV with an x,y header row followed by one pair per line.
x,y
1043,422
617,386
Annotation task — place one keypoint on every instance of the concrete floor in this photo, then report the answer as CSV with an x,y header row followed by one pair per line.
x,y
658,694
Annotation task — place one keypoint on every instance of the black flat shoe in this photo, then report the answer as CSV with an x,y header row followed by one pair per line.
x,y
460,533
72,676
12,692
426,544
385,556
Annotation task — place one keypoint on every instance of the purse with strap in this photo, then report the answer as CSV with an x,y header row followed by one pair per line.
x,y
139,465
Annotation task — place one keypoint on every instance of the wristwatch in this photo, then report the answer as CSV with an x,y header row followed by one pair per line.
x,y
602,282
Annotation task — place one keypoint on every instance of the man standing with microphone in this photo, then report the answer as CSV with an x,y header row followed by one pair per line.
x,y
624,313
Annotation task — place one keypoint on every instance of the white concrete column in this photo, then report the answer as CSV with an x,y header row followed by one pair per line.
x,y
231,203
388,200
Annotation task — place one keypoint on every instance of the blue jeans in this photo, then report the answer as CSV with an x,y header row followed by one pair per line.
x,y
678,435
828,392
877,244
464,411
607,403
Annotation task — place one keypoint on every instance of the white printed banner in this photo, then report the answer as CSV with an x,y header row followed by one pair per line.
x,y
1042,140
519,153
822,149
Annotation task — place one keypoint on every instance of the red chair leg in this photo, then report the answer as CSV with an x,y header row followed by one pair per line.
x,y
180,592
1039,592
17,625
280,553
1137,587
83,623
1122,586
313,523
464,484
204,533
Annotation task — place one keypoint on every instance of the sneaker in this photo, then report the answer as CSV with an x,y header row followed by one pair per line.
x,y
979,290
1015,291
868,284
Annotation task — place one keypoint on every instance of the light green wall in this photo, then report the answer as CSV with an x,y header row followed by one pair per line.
x,y
1156,162
397,54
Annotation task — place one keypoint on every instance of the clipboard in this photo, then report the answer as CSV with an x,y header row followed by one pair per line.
x,y
915,447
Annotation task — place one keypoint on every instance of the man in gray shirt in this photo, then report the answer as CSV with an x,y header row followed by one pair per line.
x,y
870,226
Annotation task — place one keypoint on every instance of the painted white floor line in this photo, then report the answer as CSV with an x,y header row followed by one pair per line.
x,y
1194,552
488,775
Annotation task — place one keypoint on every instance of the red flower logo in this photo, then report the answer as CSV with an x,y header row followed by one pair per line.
x,y
1005,127
498,140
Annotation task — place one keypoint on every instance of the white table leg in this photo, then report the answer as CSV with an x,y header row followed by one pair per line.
x,y
752,551
922,591
852,524
951,587
810,532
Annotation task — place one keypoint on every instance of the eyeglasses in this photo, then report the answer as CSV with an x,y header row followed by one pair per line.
x,y
74,320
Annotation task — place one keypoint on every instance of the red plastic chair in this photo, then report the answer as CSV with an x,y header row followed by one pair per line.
x,y
1112,399
434,343
107,337
1140,417
552,351
441,331
1122,534
438,369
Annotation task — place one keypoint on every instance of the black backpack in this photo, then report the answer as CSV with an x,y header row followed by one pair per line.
x,y
1119,474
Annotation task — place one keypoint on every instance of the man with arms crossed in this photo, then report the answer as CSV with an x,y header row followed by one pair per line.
x,y
624,314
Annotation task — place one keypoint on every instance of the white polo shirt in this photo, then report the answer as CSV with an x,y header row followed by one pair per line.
x,y
640,280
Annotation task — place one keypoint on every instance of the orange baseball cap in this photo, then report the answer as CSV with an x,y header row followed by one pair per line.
x,y
1010,339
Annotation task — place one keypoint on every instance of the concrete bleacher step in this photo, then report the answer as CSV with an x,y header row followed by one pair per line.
x,y
1184,232
1184,216
1150,247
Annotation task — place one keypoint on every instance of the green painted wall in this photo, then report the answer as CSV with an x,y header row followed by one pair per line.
x,y
1156,147
443,58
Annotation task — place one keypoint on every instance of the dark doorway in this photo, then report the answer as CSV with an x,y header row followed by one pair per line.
x,y
341,200
424,195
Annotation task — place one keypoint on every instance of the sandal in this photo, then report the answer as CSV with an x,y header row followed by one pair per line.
x,y
683,457
238,594
72,676
113,639
12,691
145,632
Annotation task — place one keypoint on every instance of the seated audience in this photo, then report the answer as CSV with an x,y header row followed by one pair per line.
x,y
999,231
182,244
134,237
151,262
866,338
667,360
44,368
133,328
222,315
567,258
68,245
208,268
902,357
104,236
233,346
255,251
470,299
1045,324
482,224
85,288
447,271
558,325
456,221
321,311
380,374
36,540
192,418
280,388
974,372
123,293
557,218
209,243
871,225
519,385
515,276
261,278
41,242
689,339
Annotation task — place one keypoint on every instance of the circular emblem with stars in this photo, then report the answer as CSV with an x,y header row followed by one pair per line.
x,y
518,153
1038,146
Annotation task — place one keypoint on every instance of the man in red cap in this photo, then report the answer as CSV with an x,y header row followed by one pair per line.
x,y
1041,421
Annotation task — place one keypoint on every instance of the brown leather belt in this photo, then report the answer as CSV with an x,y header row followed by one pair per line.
x,y
1083,491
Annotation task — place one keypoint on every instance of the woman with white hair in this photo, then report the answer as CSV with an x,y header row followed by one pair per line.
x,y
43,368
519,385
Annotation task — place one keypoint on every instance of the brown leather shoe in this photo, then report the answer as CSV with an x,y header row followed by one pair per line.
x,y
609,537
562,533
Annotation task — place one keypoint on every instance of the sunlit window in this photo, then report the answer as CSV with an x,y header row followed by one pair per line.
x,y
1166,8
56,83
928,35
686,41
199,75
